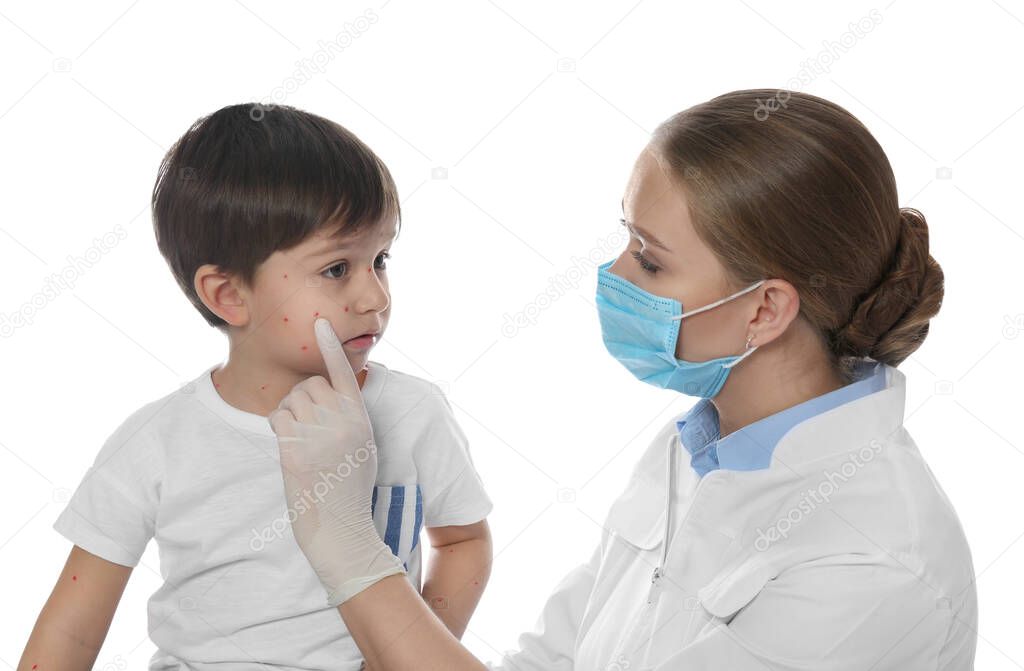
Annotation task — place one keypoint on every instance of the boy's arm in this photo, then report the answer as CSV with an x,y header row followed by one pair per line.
x,y
457,572
74,621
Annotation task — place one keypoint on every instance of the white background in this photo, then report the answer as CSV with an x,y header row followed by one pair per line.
x,y
510,129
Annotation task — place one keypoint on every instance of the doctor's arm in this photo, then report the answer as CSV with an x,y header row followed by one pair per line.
x,y
395,630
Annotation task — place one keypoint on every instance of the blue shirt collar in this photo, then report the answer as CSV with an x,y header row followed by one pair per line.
x,y
751,447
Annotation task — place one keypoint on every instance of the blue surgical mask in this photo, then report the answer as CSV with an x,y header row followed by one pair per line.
x,y
640,330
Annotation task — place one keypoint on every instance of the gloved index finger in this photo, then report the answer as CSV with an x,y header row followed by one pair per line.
x,y
339,371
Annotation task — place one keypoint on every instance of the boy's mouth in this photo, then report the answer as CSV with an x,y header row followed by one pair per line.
x,y
363,341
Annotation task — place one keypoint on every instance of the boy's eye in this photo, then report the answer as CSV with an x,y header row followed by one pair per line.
x,y
646,265
341,268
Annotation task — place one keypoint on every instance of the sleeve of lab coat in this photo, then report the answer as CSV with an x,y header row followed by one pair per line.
x,y
551,646
827,614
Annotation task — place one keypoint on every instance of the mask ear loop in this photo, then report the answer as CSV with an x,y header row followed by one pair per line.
x,y
720,301
750,350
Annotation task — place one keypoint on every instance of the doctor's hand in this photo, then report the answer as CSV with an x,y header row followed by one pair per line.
x,y
329,466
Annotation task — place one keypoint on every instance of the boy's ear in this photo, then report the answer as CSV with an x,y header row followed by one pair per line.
x,y
222,294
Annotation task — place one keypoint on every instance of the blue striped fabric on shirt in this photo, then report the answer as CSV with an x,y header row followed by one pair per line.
x,y
398,517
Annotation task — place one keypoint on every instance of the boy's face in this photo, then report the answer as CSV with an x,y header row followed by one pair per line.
x,y
343,280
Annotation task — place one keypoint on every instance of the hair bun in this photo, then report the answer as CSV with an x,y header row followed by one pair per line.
x,y
891,320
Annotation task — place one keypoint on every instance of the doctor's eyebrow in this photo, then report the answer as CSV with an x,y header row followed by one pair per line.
x,y
641,233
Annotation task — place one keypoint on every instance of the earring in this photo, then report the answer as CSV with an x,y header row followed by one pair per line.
x,y
741,357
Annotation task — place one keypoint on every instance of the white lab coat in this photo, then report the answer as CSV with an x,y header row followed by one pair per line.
x,y
844,554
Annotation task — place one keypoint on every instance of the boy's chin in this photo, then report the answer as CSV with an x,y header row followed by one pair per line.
x,y
357,359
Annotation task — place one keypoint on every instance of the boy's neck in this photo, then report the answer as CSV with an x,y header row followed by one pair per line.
x,y
258,388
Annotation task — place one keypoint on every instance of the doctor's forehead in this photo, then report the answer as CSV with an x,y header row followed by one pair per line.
x,y
655,203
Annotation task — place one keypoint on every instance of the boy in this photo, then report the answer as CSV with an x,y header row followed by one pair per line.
x,y
268,218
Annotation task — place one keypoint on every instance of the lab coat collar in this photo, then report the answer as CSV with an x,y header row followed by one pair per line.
x,y
750,448
847,427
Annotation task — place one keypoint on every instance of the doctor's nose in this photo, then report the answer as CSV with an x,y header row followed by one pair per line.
x,y
622,267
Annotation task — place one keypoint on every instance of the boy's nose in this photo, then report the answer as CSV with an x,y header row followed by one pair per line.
x,y
374,296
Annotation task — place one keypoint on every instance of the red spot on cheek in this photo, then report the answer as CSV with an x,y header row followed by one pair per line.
x,y
34,665
263,386
304,348
286,319
346,308
316,314
286,275
216,385
369,269
74,577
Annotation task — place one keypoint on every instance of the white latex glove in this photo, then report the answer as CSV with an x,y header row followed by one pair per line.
x,y
329,465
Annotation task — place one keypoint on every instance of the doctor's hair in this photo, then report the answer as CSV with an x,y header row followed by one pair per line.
x,y
250,179
783,184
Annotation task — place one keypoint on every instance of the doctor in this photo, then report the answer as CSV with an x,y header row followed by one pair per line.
x,y
787,520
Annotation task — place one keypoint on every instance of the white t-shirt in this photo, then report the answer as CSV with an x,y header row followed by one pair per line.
x,y
204,479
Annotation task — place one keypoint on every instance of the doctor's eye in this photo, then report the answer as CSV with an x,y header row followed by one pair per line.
x,y
646,265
